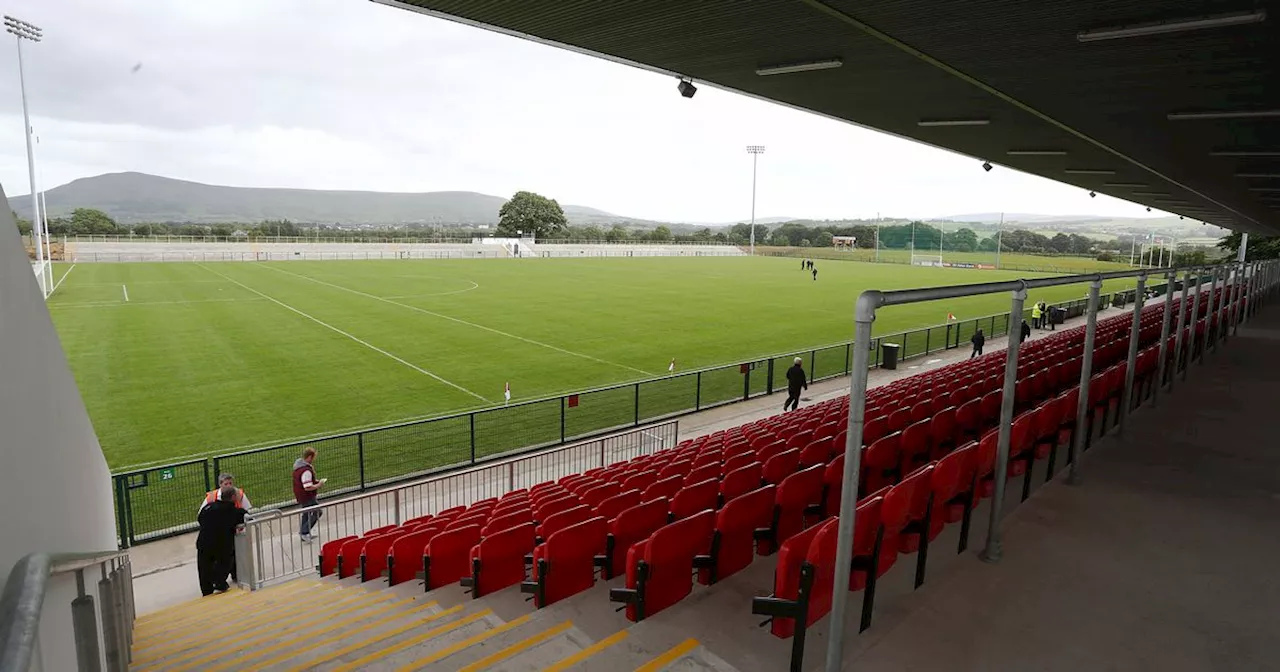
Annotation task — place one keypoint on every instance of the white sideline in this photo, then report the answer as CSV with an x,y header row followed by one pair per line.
x,y
113,304
354,338
58,284
126,293
459,321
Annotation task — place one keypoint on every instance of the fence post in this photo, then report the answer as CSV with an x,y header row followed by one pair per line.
x,y
1165,325
360,455
813,366
121,518
472,418
848,351
994,548
1076,448
928,333
637,393
207,485
1135,331
992,330
697,395
746,381
769,377
1195,318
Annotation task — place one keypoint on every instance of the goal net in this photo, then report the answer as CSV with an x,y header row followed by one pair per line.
x,y
926,259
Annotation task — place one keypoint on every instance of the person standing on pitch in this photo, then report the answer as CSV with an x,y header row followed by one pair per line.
x,y
978,340
216,542
815,273
305,490
795,382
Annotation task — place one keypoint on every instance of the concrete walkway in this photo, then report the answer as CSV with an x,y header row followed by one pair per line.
x,y
165,571
1162,559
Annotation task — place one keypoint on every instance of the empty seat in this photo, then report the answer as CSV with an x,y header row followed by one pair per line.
x,y
737,524
880,464
700,474
565,564
799,498
564,519
867,537
640,481
498,560
404,558
738,461
630,527
499,523
740,481
373,557
663,489
792,585
694,498
915,446
611,507
447,556
349,556
547,509
329,554
660,569
781,466
905,515
679,468
595,495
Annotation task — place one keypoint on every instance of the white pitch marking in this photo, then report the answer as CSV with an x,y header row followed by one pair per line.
x,y
109,304
459,321
366,344
64,277
126,293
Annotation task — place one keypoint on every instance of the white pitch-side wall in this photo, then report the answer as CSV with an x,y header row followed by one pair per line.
x,y
55,489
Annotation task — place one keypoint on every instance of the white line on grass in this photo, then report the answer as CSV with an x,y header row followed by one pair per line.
x,y
354,338
58,284
474,285
111,304
126,293
459,321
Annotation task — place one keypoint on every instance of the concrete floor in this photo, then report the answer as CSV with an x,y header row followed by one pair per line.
x,y
1162,558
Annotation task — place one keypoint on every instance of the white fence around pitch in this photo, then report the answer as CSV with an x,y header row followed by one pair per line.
x,y
113,251
271,550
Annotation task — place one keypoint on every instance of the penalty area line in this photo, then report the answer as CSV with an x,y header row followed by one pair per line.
x,y
330,327
459,321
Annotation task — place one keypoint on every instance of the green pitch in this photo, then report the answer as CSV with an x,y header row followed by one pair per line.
x,y
208,358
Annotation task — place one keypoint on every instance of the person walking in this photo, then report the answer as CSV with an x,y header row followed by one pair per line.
x,y
815,273
241,501
1036,313
305,490
978,340
1026,331
216,542
796,381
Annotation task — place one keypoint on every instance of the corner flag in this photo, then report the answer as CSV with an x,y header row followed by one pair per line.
x,y
672,366
951,317
506,392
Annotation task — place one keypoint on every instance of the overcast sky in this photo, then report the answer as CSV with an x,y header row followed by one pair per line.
x,y
347,94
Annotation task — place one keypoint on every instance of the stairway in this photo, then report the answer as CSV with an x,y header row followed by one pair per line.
x,y
332,625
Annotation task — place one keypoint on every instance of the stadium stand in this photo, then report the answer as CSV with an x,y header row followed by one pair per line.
x,y
714,505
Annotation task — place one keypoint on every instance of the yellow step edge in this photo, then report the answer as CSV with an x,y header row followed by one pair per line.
x,y
380,604
588,652
203,608
177,642
365,643
464,644
518,647
670,656
175,638
185,609
413,641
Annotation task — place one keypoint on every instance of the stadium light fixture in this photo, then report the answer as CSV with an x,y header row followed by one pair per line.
x,y
1093,194
802,66
686,88
755,151
986,165
1151,193
1148,208
1245,153
1037,152
1125,184
1212,115
1173,26
1261,176
934,123
21,30
1089,171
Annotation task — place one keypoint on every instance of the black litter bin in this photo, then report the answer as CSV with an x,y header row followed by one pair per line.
x,y
889,356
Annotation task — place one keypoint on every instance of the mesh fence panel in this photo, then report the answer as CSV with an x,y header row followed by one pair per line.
x,y
721,385
508,428
267,475
165,500
395,452
760,376
600,411
830,362
667,396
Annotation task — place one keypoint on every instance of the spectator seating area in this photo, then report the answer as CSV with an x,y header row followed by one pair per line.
x,y
708,507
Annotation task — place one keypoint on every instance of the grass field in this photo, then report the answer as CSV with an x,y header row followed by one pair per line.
x,y
204,358
1008,260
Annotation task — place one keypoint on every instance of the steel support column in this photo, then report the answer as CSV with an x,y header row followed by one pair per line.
x,y
1165,321
1179,360
1130,372
1076,449
994,549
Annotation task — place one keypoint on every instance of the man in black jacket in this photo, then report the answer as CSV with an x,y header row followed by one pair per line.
x,y
795,382
978,340
1026,331
215,545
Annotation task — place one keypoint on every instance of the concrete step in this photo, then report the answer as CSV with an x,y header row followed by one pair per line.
x,y
461,631
162,624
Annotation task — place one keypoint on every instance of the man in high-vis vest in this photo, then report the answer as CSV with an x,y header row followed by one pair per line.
x,y
241,501
1035,315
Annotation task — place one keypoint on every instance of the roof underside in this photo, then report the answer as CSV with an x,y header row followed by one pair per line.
x,y
1017,63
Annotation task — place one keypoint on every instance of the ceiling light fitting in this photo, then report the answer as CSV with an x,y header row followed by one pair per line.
x,y
1037,152
1174,26
1152,193
1209,115
1093,194
930,123
805,66
1089,171
986,166
687,89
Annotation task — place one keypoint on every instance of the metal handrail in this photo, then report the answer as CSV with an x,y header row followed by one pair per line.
x,y
22,601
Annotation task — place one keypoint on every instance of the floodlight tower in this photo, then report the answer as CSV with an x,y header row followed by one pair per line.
x,y
25,31
755,151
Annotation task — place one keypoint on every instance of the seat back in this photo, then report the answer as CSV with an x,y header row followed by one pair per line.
x,y
568,559
499,523
880,463
407,552
786,578
736,523
741,481
915,445
669,555
594,495
374,555
498,560
546,509
329,553
781,466
694,498
448,555
632,526
563,519
611,507
796,493
640,481
699,474
663,489
822,555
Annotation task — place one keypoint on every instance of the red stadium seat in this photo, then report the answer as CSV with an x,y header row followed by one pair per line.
x,y
663,489
880,462
695,498
792,584
565,564
733,546
404,558
781,466
740,481
867,538
679,468
905,515
737,462
611,507
564,519
544,510
700,474
349,556
943,432
517,517
630,527
373,557
640,481
329,554
915,446
498,560
660,569
447,557
599,493
799,499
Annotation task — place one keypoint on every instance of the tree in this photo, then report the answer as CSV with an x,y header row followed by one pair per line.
x,y
90,221
531,214
1060,243
24,226
616,234
1259,247
661,233
962,240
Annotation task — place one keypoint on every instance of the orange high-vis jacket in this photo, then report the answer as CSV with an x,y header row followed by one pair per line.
x,y
213,497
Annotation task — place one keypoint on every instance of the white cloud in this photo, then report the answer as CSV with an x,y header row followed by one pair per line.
x,y
343,94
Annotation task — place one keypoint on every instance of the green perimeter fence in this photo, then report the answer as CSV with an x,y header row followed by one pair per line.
x,y
162,501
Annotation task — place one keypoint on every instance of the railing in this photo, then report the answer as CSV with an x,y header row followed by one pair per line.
x,y
270,549
23,602
409,240
158,501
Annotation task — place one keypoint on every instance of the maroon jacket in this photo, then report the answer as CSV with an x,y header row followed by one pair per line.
x,y
301,494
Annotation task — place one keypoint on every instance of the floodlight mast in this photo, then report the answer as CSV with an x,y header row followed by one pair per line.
x,y
755,151
22,30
